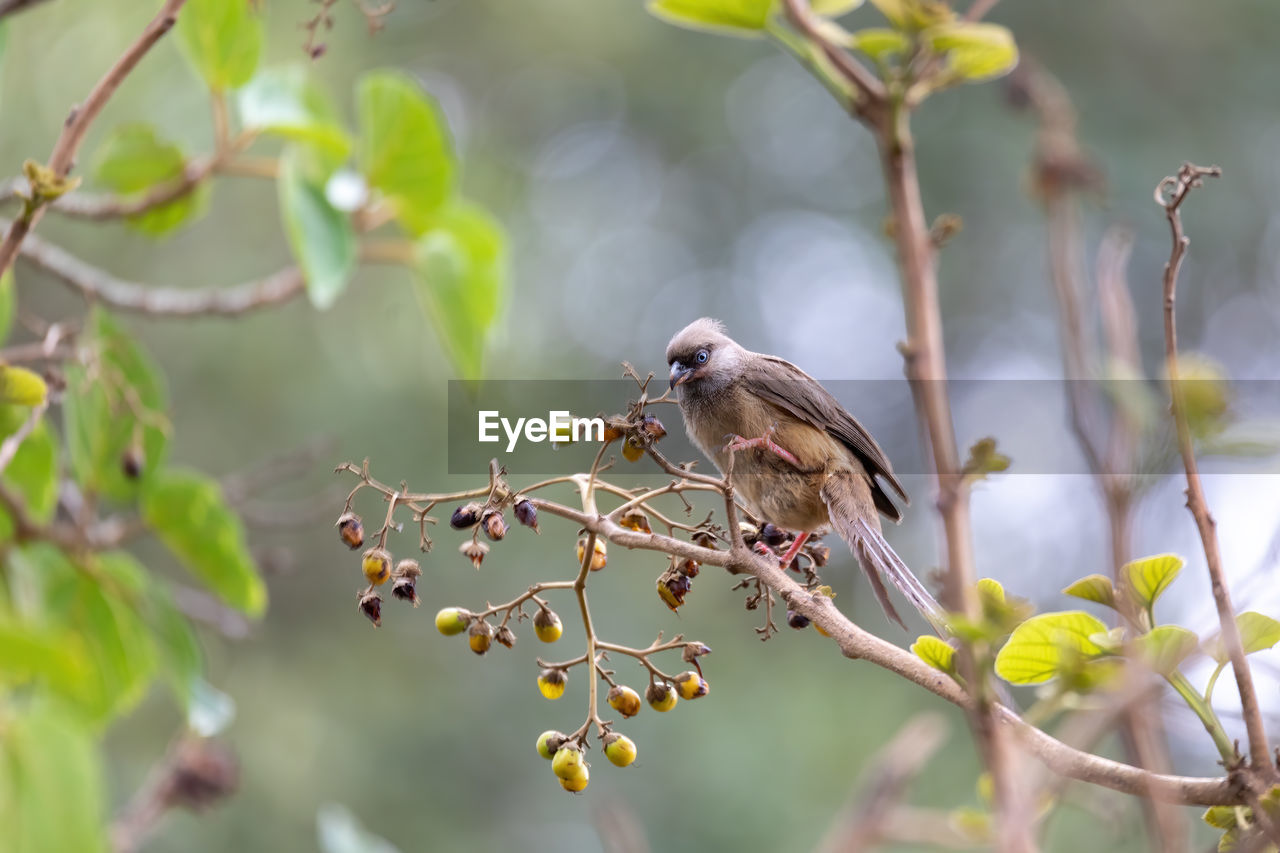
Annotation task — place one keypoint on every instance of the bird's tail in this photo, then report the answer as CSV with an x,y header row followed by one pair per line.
x,y
876,555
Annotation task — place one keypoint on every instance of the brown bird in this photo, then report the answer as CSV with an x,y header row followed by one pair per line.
x,y
800,460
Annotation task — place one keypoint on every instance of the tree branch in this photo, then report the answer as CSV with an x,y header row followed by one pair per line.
x,y
100,286
1169,194
63,157
10,7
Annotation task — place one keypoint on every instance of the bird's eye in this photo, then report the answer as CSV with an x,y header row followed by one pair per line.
x,y
701,357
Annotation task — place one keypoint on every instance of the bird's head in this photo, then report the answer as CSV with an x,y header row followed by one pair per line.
x,y
702,357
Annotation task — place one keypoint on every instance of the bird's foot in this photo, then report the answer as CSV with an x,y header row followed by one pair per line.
x,y
790,556
765,551
765,442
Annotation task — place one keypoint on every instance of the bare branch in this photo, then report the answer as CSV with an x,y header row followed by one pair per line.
x,y
97,285
1169,194
10,7
63,157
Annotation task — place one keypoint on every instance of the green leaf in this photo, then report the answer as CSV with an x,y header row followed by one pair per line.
x,y
984,460
32,474
1165,647
285,100
93,608
178,650
1044,645
405,149
321,237
1257,633
134,160
745,18
974,51
1094,588
1221,817
50,772
39,653
222,39
936,653
188,514
112,407
834,8
879,42
461,282
912,15
1149,577
8,300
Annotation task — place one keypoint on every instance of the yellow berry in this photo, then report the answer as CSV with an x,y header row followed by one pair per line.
x,y
568,763
452,620
480,637
619,749
576,785
624,700
552,682
691,685
632,450
21,387
549,742
661,696
546,624
376,564
599,555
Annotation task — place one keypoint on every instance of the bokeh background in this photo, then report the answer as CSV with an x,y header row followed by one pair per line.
x,y
648,175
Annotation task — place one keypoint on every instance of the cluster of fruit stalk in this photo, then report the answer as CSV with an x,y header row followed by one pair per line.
x,y
483,513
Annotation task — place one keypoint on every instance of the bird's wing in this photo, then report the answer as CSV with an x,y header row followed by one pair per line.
x,y
791,389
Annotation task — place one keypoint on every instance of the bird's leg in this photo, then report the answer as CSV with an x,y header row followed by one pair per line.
x,y
764,442
793,550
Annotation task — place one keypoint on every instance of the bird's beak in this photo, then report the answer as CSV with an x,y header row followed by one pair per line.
x,y
679,373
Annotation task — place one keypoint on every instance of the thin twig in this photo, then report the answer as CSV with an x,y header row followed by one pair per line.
x,y
1170,194
64,152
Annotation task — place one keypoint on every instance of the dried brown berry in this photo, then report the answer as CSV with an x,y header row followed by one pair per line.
x,y
693,651
688,568
495,526
370,604
506,637
134,460
465,517
797,620
635,520
673,587
406,589
351,530
653,428
703,539
772,535
612,432
819,552
527,514
474,551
